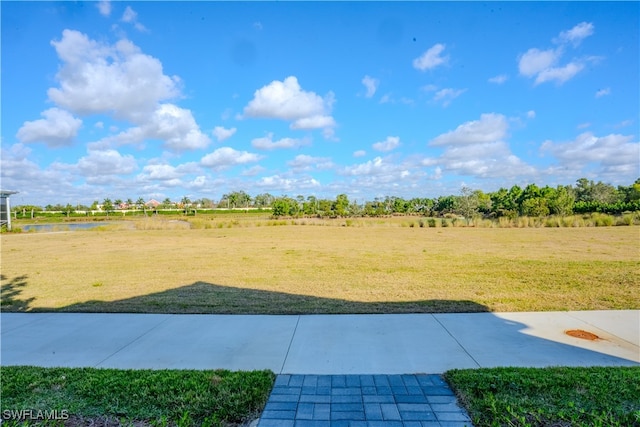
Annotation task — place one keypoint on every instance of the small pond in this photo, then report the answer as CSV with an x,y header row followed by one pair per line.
x,y
64,226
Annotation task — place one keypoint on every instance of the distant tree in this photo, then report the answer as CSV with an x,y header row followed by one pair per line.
x,y
561,201
535,206
446,204
310,206
107,206
467,204
341,205
263,200
68,209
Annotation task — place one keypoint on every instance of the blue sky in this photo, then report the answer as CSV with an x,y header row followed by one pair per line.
x,y
372,99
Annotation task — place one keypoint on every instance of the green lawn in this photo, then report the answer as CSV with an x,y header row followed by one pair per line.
x,y
135,397
596,396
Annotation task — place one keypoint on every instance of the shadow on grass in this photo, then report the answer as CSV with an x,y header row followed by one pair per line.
x,y
9,294
209,298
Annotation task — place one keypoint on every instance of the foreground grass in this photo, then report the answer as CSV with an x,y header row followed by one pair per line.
x,y
141,397
289,269
560,397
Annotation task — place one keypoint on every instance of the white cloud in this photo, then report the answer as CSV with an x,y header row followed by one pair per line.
x,y
287,101
371,85
603,92
373,167
431,58
576,34
221,133
534,61
390,143
161,172
490,128
106,162
104,6
477,148
253,171
559,74
169,123
612,155
130,16
58,128
267,143
109,79
446,95
499,79
531,114
120,80
226,157
543,64
359,153
304,162
280,183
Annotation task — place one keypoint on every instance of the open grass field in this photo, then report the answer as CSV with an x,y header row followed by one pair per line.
x,y
378,266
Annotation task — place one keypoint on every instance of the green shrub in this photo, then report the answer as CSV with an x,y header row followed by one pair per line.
x,y
431,222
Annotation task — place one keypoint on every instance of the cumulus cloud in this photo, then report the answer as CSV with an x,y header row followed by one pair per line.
x,y
121,81
543,65
104,6
499,79
491,127
267,143
603,92
359,153
162,172
285,100
390,143
304,162
96,78
531,114
281,183
226,157
613,154
431,58
221,133
58,128
534,61
477,148
376,166
371,85
169,123
106,162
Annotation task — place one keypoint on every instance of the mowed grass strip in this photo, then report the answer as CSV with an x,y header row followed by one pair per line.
x,y
596,396
322,269
90,396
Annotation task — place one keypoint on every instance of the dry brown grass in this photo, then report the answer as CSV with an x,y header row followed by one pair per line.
x,y
373,268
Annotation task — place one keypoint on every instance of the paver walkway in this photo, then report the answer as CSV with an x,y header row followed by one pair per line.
x,y
362,401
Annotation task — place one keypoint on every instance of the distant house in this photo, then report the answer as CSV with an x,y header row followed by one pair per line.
x,y
153,203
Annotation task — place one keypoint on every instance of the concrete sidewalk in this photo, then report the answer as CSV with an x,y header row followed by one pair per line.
x,y
320,344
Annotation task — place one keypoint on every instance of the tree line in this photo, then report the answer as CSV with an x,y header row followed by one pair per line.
x,y
586,196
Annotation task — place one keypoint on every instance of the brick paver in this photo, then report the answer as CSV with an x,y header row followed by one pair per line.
x,y
362,401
